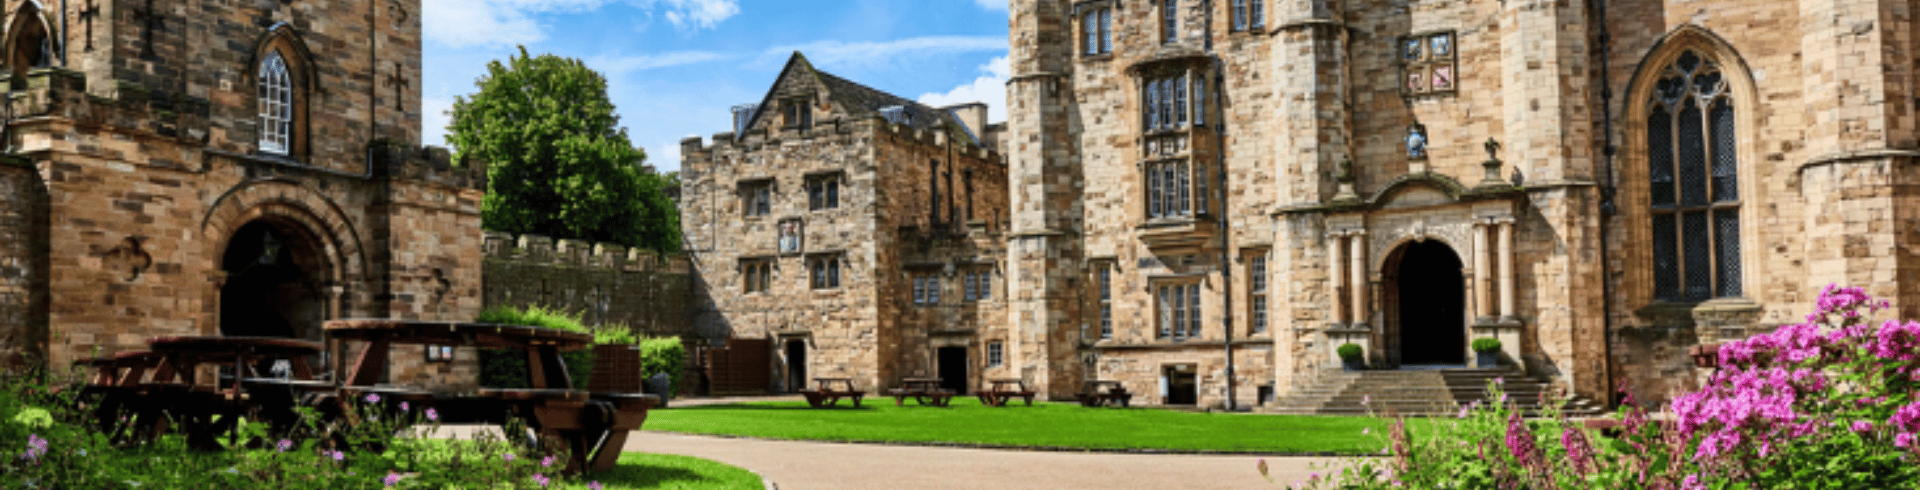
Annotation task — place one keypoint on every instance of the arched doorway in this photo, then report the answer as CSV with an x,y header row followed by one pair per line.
x,y
274,283
1429,292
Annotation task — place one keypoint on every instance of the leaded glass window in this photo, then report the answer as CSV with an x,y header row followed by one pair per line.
x,y
1106,300
1694,195
276,105
1171,16
1180,310
1239,15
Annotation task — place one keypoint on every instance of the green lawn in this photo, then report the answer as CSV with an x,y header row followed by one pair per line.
x,y
668,471
1054,425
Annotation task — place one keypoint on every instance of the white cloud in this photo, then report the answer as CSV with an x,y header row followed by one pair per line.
x,y
434,121
990,88
464,23
868,53
992,4
623,64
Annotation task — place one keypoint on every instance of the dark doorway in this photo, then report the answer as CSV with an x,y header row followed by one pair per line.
x,y
953,369
1182,388
273,283
796,365
1432,308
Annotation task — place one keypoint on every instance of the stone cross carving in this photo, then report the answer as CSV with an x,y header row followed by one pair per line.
x,y
150,20
87,14
398,79
128,258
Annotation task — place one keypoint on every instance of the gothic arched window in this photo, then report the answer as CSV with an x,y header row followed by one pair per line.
x,y
1694,198
276,105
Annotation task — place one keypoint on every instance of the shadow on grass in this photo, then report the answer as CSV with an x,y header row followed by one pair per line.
x,y
746,406
644,475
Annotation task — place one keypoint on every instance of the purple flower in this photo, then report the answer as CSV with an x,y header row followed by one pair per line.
x,y
283,445
1579,450
1519,440
338,456
1862,426
404,407
1692,483
540,479
1365,399
36,447
1463,410
373,398
433,415
509,456
392,479
546,462
596,485
1903,440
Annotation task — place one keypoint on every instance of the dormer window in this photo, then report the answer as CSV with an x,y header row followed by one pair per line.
x,y
742,116
797,114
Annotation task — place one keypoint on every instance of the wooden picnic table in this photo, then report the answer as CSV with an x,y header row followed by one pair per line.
x,y
593,426
208,408
926,391
827,392
1001,391
1103,393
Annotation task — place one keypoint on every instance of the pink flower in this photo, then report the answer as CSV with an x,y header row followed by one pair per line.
x,y
1861,426
545,462
1903,440
373,398
1519,440
1364,399
338,456
392,479
596,485
1579,450
433,415
283,445
540,479
1692,483
36,447
403,406
509,456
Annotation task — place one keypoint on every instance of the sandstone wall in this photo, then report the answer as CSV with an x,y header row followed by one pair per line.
x,y
23,255
605,284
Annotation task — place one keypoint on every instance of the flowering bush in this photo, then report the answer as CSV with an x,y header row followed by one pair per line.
x,y
1828,403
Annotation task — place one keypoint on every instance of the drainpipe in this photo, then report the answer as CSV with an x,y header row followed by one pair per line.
x,y
1607,191
1226,232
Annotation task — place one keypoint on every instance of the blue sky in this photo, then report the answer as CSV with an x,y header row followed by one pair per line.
x,y
674,67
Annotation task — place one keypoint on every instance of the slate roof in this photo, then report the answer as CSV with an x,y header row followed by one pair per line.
x,y
856,101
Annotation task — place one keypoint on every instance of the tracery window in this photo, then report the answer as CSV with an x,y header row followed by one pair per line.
x,y
1694,199
276,105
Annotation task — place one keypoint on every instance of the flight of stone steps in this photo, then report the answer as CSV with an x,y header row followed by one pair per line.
x,y
1417,393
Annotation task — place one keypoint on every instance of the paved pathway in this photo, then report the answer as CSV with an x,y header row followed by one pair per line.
x,y
792,465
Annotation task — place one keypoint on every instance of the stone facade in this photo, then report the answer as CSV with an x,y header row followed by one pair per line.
x,y
918,195
139,139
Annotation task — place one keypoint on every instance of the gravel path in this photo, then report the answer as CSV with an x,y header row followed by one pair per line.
x,y
794,465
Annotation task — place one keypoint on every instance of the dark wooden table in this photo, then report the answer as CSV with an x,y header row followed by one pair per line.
x,y
827,392
1104,393
926,391
593,426
207,408
1000,391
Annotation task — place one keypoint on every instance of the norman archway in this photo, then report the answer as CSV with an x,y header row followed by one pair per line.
x,y
318,248
1424,304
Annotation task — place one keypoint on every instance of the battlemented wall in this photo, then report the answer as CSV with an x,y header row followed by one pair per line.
x,y
605,284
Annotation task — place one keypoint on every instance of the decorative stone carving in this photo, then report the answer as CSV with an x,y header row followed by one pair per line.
x,y
128,259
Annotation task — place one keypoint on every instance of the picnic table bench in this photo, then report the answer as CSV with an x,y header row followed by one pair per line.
x,y
204,409
1092,394
1001,391
926,391
827,392
593,426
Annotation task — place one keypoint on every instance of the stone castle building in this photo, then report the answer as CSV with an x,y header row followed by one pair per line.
x,y
1601,185
210,167
862,232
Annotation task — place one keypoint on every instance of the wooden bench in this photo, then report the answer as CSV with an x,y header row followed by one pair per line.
x,y
1093,396
830,390
1002,391
926,391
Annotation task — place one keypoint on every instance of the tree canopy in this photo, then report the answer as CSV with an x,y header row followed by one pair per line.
x,y
557,162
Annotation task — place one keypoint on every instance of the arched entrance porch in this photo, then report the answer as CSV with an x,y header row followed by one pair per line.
x,y
276,281
1425,305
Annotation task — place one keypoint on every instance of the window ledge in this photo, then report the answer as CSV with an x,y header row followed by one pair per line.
x,y
1100,57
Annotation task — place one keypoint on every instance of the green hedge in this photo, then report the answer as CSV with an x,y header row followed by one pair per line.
x,y
508,369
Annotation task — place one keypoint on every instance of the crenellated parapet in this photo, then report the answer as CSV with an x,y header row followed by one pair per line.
x,y
533,249
57,93
432,164
940,136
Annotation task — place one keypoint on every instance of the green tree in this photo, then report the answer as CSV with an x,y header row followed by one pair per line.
x,y
558,164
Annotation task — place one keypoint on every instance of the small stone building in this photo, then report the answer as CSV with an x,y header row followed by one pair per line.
x,y
861,232
208,167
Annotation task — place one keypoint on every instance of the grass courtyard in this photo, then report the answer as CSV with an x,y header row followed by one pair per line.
x,y
1043,425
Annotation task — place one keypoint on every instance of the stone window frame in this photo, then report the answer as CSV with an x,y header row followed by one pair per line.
x,y
796,113
1179,308
1247,16
1702,90
996,353
282,41
1173,100
823,190
1634,179
756,274
756,197
978,283
1103,272
1094,20
825,271
30,26
926,288
1423,67
1169,21
1258,279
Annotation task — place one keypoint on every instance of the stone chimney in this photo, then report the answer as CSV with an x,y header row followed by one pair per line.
x,y
973,114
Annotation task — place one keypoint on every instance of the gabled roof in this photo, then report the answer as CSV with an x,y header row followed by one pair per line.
x,y
856,101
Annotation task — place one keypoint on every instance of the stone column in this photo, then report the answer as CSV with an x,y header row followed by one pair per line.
x,y
1335,278
1506,269
1357,285
1482,269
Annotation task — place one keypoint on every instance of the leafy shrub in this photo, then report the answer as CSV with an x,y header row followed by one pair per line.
x,y
1825,404
1486,344
1349,352
664,355
508,369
